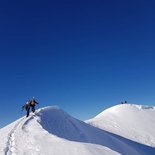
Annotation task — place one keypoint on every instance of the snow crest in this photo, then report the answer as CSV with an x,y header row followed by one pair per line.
x,y
52,131
135,122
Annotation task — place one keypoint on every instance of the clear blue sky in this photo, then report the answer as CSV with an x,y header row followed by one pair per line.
x,y
83,56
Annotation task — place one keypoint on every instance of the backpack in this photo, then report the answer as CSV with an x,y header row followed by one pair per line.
x,y
26,107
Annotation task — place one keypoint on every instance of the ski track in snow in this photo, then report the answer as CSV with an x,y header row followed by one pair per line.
x,y
12,146
11,143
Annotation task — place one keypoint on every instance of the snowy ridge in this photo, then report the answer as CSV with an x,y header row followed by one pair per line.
x,y
135,122
53,131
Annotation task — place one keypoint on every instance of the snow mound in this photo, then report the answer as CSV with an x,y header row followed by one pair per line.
x,y
135,122
125,107
59,123
52,131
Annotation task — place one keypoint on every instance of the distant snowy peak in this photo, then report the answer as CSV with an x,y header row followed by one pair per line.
x,y
143,107
136,122
125,108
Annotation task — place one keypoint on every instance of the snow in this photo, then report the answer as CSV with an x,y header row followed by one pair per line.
x,y
135,122
52,131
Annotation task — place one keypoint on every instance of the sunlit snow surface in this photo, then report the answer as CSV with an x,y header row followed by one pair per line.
x,y
135,122
51,131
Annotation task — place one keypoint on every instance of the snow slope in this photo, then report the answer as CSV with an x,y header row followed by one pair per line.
x,y
51,131
135,122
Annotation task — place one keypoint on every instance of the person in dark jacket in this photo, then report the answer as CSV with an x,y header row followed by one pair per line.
x,y
30,105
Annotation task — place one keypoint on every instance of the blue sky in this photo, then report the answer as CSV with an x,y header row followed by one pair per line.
x,y
83,56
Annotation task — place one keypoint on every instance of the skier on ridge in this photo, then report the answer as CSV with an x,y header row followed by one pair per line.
x,y
31,104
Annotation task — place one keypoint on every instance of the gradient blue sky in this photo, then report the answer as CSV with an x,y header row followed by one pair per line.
x,y
83,56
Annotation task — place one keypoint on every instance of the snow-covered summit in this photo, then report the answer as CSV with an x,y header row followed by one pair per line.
x,y
52,131
136,122
121,109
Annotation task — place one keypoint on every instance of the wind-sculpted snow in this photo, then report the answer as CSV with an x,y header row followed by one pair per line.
x,y
59,123
51,131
